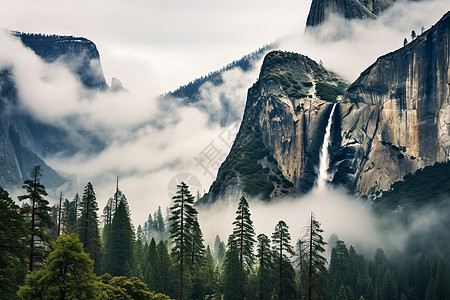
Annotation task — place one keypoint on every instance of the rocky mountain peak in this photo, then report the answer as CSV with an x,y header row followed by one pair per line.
x,y
320,10
286,109
397,119
79,54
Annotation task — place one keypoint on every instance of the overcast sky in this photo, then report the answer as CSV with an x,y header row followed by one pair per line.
x,y
156,46
161,44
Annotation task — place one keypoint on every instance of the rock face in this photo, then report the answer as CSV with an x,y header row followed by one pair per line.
x,y
396,118
277,148
320,10
79,54
24,140
393,120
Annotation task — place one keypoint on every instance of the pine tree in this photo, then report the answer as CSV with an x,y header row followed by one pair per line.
x,y
388,288
120,244
68,274
13,250
40,222
165,264
219,249
244,234
281,239
339,268
441,282
314,277
233,273
87,226
197,249
140,253
209,274
160,221
265,266
152,275
181,220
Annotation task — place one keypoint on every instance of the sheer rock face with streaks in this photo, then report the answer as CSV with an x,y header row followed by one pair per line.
x,y
393,120
396,118
276,151
320,10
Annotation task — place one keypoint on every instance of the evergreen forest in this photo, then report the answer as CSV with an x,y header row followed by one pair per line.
x,y
72,251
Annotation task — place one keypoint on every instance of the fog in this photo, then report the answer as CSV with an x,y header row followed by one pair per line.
x,y
351,219
154,48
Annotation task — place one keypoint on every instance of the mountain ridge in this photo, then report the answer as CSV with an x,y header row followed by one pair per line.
x,y
371,143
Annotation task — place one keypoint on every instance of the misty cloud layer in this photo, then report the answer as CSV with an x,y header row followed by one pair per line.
x,y
149,143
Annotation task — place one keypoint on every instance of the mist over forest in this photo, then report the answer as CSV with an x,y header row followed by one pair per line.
x,y
200,156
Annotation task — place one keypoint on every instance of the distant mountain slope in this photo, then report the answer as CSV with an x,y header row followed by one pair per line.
x,y
25,140
228,109
79,54
190,91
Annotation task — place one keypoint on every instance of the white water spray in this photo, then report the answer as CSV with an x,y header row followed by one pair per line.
x,y
324,162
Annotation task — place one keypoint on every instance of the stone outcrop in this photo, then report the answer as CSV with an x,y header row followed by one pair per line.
x,y
79,54
320,10
396,118
393,120
277,148
24,140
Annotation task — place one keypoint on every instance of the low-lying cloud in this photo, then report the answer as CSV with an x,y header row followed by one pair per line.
x,y
352,220
149,142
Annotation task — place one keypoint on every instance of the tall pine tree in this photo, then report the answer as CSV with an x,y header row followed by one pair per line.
x,y
183,215
119,250
314,277
12,249
39,220
265,267
244,234
233,274
87,226
281,239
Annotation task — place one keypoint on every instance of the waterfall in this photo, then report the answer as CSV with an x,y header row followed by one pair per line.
x,y
324,162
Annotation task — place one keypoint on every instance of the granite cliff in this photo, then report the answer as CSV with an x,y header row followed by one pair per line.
x,y
320,10
277,148
396,117
25,140
393,120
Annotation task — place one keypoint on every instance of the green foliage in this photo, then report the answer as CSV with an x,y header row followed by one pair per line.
x,y
233,272
67,275
243,234
186,236
265,267
423,187
120,244
243,163
70,213
314,275
13,250
219,249
126,289
87,226
329,92
281,239
39,221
